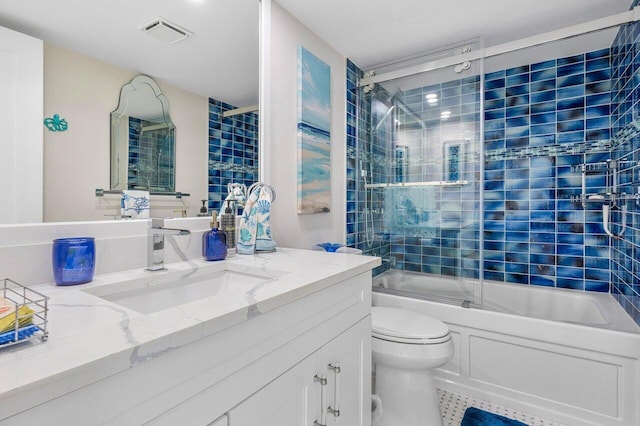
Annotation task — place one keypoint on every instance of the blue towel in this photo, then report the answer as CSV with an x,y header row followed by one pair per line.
x,y
255,226
135,204
263,229
476,417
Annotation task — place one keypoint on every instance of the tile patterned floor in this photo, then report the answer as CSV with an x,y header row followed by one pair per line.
x,y
453,405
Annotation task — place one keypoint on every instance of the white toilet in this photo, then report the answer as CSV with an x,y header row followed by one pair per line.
x,y
406,347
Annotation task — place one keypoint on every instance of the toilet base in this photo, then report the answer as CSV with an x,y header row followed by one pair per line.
x,y
408,397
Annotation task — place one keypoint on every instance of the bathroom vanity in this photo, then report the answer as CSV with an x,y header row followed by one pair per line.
x,y
272,339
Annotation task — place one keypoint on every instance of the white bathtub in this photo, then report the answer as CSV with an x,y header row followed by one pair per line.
x,y
568,356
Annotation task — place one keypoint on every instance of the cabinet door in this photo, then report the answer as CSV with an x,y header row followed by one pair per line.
x,y
347,360
21,150
293,399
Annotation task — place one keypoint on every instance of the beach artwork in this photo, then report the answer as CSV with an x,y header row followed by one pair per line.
x,y
314,134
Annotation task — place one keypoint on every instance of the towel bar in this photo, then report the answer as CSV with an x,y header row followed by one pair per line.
x,y
102,192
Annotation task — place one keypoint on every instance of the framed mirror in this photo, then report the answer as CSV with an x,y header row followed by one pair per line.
x,y
143,139
85,70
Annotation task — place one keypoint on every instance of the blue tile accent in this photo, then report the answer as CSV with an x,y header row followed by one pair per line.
x,y
233,150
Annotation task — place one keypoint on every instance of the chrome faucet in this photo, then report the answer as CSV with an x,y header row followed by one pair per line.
x,y
155,243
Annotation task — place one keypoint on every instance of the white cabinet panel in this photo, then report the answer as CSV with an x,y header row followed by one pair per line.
x,y
547,373
293,399
21,150
347,362
331,387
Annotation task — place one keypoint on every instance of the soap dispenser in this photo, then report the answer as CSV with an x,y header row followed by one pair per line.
x,y
228,225
203,209
214,242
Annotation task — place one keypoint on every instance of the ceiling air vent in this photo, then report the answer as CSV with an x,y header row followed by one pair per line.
x,y
165,31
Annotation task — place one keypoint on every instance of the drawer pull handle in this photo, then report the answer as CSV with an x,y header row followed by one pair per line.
x,y
323,384
334,368
321,380
335,409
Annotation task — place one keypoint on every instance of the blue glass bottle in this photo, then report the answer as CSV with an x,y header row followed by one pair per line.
x,y
214,244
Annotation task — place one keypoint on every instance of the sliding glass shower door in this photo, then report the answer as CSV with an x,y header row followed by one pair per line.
x,y
420,151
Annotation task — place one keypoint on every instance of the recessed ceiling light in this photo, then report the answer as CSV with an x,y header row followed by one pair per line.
x,y
432,96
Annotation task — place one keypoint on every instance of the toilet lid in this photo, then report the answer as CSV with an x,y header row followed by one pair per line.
x,y
407,326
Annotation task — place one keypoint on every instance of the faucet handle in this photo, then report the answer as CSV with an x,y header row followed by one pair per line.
x,y
183,212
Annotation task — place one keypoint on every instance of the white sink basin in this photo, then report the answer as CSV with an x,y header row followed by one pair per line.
x,y
163,290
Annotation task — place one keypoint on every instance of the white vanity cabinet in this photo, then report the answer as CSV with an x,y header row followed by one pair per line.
x,y
329,387
290,400
292,365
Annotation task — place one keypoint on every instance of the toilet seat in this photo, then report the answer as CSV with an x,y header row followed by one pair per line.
x,y
404,326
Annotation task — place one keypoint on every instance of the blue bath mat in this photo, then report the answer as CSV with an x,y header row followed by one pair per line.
x,y
476,417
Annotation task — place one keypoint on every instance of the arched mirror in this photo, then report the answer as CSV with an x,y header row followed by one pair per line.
x,y
143,139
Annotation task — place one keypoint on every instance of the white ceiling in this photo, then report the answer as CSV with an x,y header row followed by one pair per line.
x,y
221,59
371,32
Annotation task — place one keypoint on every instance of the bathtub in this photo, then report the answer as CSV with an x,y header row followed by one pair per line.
x,y
563,355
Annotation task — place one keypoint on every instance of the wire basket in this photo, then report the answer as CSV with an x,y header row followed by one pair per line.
x,y
25,314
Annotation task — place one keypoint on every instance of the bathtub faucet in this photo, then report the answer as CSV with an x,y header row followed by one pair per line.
x,y
155,243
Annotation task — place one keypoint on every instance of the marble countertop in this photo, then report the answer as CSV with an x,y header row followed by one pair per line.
x,y
91,338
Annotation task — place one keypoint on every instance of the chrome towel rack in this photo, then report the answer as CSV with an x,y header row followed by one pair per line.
x,y
103,192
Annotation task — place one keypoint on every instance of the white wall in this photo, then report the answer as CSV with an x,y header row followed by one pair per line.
x,y
290,229
84,91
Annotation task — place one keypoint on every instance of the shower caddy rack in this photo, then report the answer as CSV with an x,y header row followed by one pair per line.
x,y
22,296
611,195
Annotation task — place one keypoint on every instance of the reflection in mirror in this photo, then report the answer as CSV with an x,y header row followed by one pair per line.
x,y
142,139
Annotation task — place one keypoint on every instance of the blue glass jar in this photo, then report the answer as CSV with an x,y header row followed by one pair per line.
x,y
73,260
214,245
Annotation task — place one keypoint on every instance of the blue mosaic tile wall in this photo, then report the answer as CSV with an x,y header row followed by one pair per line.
x,y
362,205
625,114
541,121
352,143
134,144
151,156
233,150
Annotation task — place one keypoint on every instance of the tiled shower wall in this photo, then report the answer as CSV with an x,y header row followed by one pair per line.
x,y
537,119
155,167
625,115
233,150
541,121
370,156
